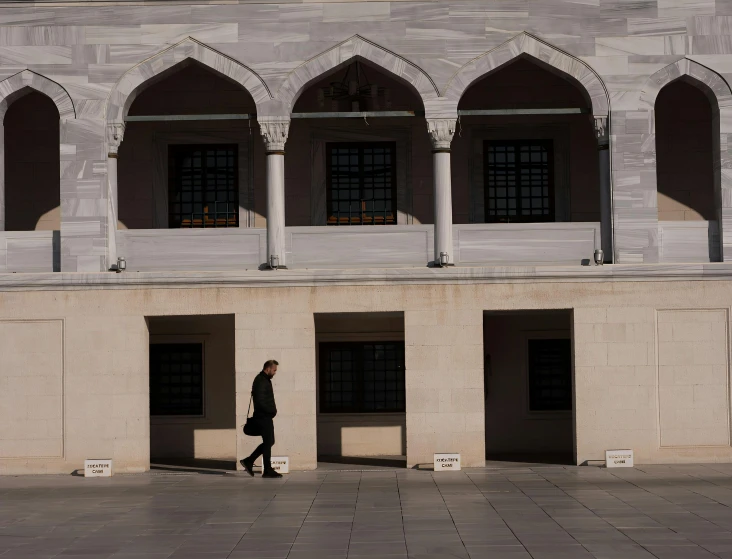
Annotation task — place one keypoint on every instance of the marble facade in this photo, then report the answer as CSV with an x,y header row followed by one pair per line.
x,y
628,320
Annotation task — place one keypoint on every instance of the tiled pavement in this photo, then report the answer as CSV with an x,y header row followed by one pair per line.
x,y
503,512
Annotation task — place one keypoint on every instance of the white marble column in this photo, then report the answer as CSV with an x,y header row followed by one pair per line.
x,y
603,150
274,134
115,133
441,131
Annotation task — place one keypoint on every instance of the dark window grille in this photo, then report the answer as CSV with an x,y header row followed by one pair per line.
x,y
203,186
361,183
362,377
550,375
519,181
176,379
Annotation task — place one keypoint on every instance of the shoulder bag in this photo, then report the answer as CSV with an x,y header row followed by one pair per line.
x,y
251,428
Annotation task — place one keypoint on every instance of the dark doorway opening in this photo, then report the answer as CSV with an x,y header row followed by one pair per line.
x,y
529,403
192,393
361,390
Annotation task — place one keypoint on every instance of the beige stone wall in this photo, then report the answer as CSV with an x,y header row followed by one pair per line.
x,y
615,381
693,378
444,378
31,389
366,434
285,332
105,347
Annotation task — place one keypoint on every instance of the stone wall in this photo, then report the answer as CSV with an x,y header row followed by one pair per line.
x,y
618,330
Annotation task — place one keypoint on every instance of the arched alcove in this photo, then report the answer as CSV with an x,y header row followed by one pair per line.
x,y
188,173
373,171
685,153
523,168
32,163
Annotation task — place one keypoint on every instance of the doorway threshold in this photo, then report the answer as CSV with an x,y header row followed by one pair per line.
x,y
361,463
193,465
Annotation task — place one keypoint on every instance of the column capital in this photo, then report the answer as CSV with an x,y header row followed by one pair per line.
x,y
274,132
115,133
441,131
601,129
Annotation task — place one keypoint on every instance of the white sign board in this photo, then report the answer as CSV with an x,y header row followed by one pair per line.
x,y
97,468
280,464
447,462
619,458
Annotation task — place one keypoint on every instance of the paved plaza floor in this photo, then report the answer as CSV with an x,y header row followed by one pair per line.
x,y
504,511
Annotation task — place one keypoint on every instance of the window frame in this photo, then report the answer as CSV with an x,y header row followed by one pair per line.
x,y
185,340
330,219
543,336
358,408
517,143
174,151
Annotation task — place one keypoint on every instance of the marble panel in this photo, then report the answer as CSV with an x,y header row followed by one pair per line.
x,y
251,14
191,249
535,243
688,241
28,251
685,8
614,46
431,11
357,247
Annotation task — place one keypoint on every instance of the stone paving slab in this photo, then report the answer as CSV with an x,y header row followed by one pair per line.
x,y
509,511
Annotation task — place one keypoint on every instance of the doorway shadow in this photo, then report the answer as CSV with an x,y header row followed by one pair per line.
x,y
334,462
528,459
192,464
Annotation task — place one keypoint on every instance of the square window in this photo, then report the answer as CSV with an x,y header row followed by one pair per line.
x,y
176,394
198,173
376,383
550,375
367,174
526,172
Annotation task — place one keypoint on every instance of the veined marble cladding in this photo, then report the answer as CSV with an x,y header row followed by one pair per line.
x,y
98,52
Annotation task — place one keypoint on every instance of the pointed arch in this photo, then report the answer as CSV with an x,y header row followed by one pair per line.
x,y
149,71
355,48
527,45
11,88
719,95
712,84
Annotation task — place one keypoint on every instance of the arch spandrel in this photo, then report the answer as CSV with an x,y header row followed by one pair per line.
x,y
148,72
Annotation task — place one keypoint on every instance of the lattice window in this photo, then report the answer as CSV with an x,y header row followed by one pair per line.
x,y
176,379
362,377
519,181
361,183
550,375
203,186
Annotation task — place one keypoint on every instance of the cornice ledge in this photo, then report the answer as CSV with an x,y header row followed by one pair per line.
x,y
382,276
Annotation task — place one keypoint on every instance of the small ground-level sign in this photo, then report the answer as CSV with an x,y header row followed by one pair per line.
x,y
280,464
619,458
447,462
98,468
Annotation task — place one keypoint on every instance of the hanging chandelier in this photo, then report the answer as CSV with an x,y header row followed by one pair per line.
x,y
354,93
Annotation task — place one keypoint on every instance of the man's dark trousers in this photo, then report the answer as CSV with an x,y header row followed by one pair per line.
x,y
266,427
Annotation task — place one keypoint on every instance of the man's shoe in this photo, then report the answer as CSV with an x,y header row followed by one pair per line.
x,y
271,474
248,466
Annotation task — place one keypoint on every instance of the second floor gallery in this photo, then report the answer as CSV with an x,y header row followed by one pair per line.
x,y
357,160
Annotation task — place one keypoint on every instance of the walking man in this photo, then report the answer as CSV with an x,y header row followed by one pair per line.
x,y
265,410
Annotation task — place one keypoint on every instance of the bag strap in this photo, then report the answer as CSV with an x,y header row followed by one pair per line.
x,y
250,404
